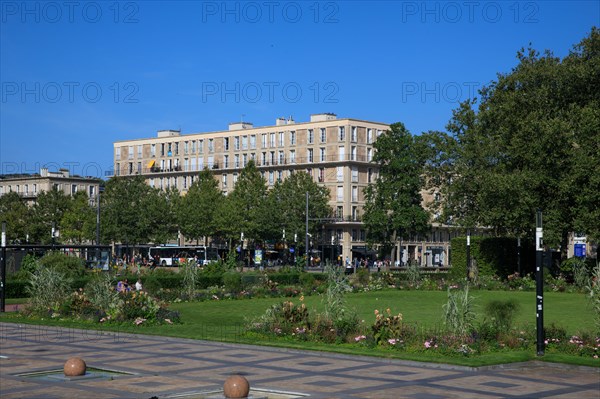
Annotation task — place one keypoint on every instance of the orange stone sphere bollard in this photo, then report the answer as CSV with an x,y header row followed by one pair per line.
x,y
75,366
236,387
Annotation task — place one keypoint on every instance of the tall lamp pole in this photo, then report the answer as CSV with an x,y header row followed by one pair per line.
x,y
3,271
306,236
539,283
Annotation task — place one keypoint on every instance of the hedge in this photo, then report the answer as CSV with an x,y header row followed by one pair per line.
x,y
492,256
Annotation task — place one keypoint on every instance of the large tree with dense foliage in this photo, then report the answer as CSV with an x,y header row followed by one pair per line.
x,y
393,203
532,142
285,208
242,210
197,210
133,212
78,222
15,213
47,211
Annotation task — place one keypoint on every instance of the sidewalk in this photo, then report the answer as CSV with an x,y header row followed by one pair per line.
x,y
166,367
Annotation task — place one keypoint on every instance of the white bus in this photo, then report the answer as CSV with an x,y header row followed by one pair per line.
x,y
170,255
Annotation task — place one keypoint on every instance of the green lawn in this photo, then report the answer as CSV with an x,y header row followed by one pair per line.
x,y
224,320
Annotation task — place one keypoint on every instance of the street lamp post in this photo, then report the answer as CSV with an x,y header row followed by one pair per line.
x,y
306,236
539,283
53,233
519,255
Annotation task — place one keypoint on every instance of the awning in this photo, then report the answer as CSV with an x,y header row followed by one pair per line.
x,y
151,163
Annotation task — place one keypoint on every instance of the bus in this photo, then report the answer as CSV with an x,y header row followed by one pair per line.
x,y
171,255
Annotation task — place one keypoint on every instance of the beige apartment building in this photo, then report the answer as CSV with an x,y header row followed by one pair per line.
x,y
337,153
29,186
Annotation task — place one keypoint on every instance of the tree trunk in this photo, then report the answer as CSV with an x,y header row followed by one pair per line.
x,y
393,250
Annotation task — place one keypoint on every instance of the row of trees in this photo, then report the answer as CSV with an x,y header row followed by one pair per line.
x,y
134,213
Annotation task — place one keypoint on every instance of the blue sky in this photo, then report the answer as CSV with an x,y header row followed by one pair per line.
x,y
75,77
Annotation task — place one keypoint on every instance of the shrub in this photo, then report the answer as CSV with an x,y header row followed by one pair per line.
x,y
387,327
502,313
47,290
307,280
232,281
69,266
363,275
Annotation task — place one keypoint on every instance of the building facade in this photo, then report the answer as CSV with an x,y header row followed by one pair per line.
x,y
29,186
337,153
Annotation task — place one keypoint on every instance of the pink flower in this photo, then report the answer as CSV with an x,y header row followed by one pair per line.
x,y
427,344
392,341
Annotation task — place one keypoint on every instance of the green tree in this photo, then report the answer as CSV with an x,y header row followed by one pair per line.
x,y
163,208
532,143
242,211
285,208
129,210
47,210
78,222
393,203
198,208
14,211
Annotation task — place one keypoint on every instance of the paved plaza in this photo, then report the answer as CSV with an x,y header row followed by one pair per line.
x,y
162,367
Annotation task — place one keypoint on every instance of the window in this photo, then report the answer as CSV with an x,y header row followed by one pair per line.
x,y
118,153
341,153
200,163
354,174
236,162
369,154
354,194
323,135
224,180
264,140
309,172
272,159
322,154
321,175
271,177
225,143
339,212
309,155
281,158
292,156
130,168
253,142
369,175
340,193
73,189
379,132
340,173
153,150
139,167
341,133
281,139
152,183
363,235
193,147
369,136
235,178
139,152
211,145
292,138
193,164
272,140
35,188
130,152
354,235
355,213
340,234
176,148
310,136
354,135
169,153
353,153
200,146
185,182
236,143
211,162
244,160
279,175
186,147
263,158
225,161
244,142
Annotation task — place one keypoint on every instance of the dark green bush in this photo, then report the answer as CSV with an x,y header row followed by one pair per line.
x,y
16,289
232,281
307,280
502,313
70,266
250,279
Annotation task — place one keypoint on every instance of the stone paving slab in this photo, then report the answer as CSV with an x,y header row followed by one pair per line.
x,y
165,367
